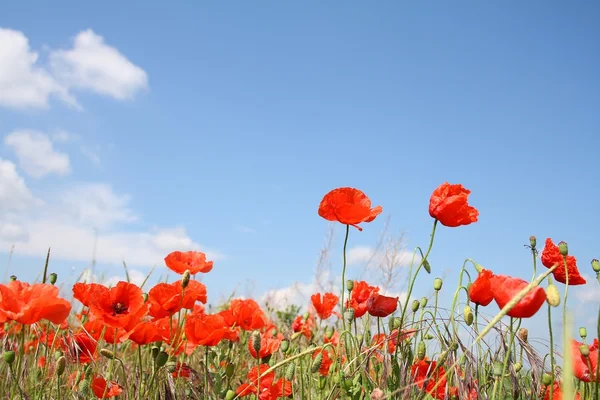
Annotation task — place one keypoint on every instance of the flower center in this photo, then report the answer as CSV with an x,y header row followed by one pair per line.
x,y
119,308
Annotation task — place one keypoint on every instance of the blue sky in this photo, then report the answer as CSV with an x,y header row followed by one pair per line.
x,y
220,126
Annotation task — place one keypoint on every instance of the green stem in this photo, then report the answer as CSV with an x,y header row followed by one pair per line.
x,y
506,357
552,361
598,361
344,275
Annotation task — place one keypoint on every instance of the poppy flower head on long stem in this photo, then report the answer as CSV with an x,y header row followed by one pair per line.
x,y
348,206
448,204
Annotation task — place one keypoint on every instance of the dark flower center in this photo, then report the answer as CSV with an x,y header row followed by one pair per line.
x,y
119,308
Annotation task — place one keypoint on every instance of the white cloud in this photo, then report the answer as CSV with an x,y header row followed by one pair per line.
x,y
91,155
375,258
36,154
93,65
23,83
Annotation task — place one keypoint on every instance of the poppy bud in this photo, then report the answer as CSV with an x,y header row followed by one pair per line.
x,y
596,265
53,277
427,266
546,379
88,372
9,357
428,336
285,345
552,295
532,241
306,315
563,248
317,361
437,284
415,305
349,315
583,332
423,302
84,387
185,279
523,334
517,366
255,338
322,382
161,359
584,350
296,335
145,297
289,371
497,368
329,333
108,354
230,395
61,364
349,285
274,331
13,278
154,351
421,350
468,315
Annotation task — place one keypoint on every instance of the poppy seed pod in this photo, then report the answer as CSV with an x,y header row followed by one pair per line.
x,y
415,305
9,357
52,278
468,315
13,278
154,351
547,379
285,345
584,350
583,332
437,284
349,285
532,241
289,371
161,359
563,248
596,265
61,364
185,279
427,266
552,295
349,315
255,340
523,334
317,361
423,302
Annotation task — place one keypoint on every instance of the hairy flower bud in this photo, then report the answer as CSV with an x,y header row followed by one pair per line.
x,y
108,354
317,361
596,265
349,315
437,284
52,278
415,305
255,340
329,332
230,395
229,370
547,379
427,266
421,350
563,248
285,345
468,315
289,371
9,357
61,364
428,336
423,302
497,369
552,295
517,366
185,279
532,242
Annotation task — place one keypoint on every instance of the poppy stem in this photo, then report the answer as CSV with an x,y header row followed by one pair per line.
x,y
344,276
597,362
552,361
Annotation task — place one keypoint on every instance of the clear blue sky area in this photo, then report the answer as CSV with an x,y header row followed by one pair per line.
x,y
254,110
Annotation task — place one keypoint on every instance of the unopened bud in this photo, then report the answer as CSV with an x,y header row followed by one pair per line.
x,y
427,266
296,335
583,332
423,302
349,315
428,336
497,369
145,297
563,248
547,379
584,350
285,345
523,334
415,305
185,279
437,284
61,364
421,350
329,333
596,265
317,361
289,371
161,359
154,351
230,395
108,354
229,369
532,242
255,340
517,366
468,314
9,357
53,277
349,285
305,316
396,323
552,295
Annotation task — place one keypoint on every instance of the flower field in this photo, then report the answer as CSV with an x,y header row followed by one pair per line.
x,y
132,342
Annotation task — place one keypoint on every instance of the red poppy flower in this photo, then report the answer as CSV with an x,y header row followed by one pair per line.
x,y
381,306
194,261
268,346
361,293
83,292
551,255
81,348
269,388
423,371
166,299
120,306
325,361
105,390
208,329
304,325
144,333
246,314
28,304
581,369
505,288
556,393
325,304
448,204
480,291
348,206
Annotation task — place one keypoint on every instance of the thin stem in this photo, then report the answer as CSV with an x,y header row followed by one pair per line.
x,y
506,357
552,362
344,275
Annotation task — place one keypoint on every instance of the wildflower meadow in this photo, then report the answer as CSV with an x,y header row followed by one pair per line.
x,y
136,342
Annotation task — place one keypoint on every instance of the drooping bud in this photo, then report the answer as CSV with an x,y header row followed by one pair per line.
x,y
9,357
427,266
546,379
161,359
255,340
468,315
108,354
421,350
415,305
428,336
423,302
349,285
583,332
523,334
52,278
289,371
532,242
437,284
584,350
317,361
563,248
185,279
61,364
596,265
349,315
552,295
